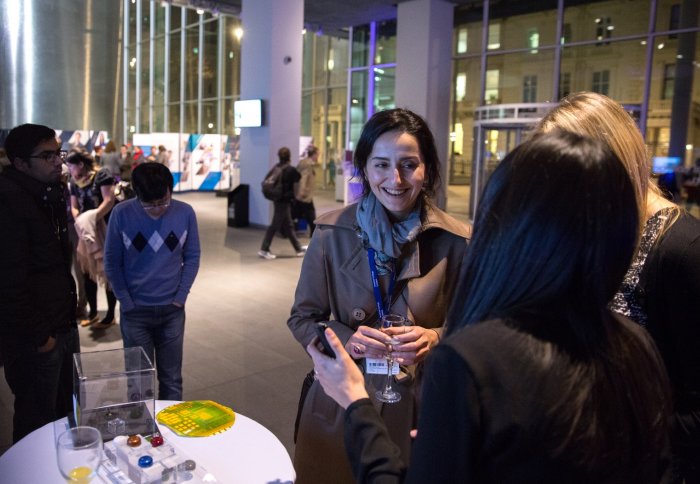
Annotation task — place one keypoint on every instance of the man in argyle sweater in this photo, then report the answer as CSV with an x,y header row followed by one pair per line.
x,y
151,260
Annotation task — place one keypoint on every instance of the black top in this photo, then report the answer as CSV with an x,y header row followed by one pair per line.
x,y
290,175
489,414
37,290
671,288
90,196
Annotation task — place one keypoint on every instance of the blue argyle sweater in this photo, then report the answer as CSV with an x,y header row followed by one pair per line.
x,y
151,262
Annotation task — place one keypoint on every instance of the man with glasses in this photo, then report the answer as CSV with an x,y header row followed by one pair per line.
x,y
38,333
151,260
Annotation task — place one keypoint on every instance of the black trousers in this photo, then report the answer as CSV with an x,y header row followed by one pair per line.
x,y
282,222
307,211
42,383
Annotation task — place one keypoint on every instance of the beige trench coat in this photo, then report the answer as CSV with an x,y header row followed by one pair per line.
x,y
335,287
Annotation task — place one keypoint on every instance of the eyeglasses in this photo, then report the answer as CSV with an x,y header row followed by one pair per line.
x,y
50,156
156,206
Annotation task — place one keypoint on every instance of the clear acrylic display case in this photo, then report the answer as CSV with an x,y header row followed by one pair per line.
x,y
114,391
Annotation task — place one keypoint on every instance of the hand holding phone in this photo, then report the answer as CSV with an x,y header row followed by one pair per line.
x,y
324,347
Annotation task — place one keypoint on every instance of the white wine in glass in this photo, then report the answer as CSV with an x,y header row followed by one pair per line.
x,y
388,394
79,454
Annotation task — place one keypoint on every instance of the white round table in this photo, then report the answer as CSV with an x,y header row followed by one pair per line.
x,y
245,453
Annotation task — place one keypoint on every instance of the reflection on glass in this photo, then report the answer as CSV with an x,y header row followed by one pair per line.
x,y
385,51
232,58
174,117
174,67
209,60
358,105
360,46
384,82
191,62
175,17
158,69
519,77
604,21
190,125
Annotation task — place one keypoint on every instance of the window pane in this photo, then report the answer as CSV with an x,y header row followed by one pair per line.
x,y
509,28
358,105
229,129
191,62
674,97
190,117
145,19
384,82
507,73
132,23
209,123
174,67
191,17
145,75
159,70
158,119
232,57
603,21
463,105
624,81
338,62
160,18
130,123
132,77
211,55
174,117
360,46
175,17
385,51
469,19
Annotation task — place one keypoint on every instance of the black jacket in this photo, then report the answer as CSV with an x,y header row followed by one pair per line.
x,y
37,290
290,175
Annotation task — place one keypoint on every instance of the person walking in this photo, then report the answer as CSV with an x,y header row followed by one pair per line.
x,y
304,196
282,217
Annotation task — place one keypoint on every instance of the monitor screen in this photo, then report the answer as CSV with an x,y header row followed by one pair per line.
x,y
665,164
248,113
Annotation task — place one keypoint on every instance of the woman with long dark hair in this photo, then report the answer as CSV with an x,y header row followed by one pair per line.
x,y
537,380
661,290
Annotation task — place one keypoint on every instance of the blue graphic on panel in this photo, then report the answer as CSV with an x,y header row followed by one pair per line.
x,y
213,177
176,177
193,141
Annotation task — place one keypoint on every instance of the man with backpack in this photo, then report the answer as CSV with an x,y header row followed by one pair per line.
x,y
278,186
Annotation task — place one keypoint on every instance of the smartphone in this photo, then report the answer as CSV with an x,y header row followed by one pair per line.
x,y
325,346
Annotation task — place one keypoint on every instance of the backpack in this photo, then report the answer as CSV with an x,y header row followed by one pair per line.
x,y
272,184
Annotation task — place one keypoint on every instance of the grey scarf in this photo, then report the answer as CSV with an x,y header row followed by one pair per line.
x,y
384,236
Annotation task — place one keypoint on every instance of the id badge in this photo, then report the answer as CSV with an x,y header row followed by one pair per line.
x,y
378,366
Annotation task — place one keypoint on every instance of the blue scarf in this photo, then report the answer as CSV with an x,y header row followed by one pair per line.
x,y
384,236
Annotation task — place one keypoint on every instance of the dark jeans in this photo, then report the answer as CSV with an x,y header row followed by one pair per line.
x,y
307,211
281,221
159,330
41,382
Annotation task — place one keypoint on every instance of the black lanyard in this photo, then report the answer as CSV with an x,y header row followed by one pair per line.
x,y
381,308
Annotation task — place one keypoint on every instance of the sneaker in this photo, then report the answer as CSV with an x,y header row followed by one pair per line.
x,y
266,254
302,252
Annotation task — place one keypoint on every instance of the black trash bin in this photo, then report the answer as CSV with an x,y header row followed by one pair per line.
x,y
238,206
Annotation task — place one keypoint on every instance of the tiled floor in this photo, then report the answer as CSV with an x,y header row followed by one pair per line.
x,y
238,350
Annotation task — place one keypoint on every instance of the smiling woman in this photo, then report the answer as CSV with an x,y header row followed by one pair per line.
x,y
393,252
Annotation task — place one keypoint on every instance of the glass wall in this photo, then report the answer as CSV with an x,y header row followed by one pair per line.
x,y
324,96
537,53
372,77
183,69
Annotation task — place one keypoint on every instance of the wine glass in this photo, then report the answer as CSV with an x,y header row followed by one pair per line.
x,y
79,453
388,395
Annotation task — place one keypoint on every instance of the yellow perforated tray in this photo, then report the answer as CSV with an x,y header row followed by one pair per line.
x,y
198,418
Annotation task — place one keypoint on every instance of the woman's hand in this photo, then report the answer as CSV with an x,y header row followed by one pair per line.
x,y
367,342
340,378
415,343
